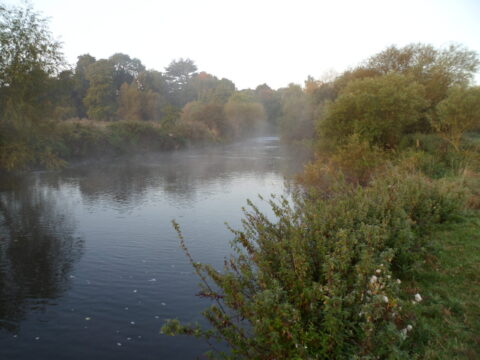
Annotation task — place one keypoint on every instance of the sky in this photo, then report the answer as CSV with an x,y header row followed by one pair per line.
x,y
261,41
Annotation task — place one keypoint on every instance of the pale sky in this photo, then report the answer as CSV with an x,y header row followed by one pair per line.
x,y
260,41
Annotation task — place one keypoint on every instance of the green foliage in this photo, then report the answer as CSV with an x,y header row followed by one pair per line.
x,y
356,161
126,69
81,84
458,114
209,89
178,74
436,69
320,281
100,100
211,115
82,139
380,110
28,57
130,102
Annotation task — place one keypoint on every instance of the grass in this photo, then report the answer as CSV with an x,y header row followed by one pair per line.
x,y
450,285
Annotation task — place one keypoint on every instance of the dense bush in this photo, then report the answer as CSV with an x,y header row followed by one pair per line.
x,y
320,280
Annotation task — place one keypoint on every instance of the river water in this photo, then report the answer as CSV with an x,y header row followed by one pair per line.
x,y
90,266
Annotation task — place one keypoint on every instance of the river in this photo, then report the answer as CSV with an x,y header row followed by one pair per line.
x,y
90,266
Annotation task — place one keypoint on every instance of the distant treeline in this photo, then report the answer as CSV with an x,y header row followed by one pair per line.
x,y
50,112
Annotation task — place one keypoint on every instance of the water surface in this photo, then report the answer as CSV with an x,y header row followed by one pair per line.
x,y
90,265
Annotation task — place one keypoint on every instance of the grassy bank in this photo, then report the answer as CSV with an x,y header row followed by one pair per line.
x,y
449,318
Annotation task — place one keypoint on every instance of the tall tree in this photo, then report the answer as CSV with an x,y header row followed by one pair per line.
x,y
178,74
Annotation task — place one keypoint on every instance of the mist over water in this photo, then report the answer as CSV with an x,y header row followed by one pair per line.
x,y
90,265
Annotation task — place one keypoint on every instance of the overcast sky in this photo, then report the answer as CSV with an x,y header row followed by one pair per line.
x,y
260,41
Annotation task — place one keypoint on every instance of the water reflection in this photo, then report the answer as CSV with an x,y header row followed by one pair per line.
x,y
180,174
37,249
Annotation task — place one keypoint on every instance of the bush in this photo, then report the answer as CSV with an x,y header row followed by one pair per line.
x,y
435,157
320,282
356,162
210,115
82,138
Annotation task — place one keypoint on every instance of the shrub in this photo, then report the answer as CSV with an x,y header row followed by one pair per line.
x,y
82,138
435,157
320,282
356,162
134,136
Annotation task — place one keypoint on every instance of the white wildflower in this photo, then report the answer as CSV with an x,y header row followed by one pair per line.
x,y
385,299
409,327
378,271
399,281
373,279
418,297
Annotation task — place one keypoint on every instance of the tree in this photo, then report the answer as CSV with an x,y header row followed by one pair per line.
x,y
125,69
210,115
457,114
62,95
209,89
100,100
29,56
244,114
270,101
379,110
178,74
129,103
81,83
436,69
